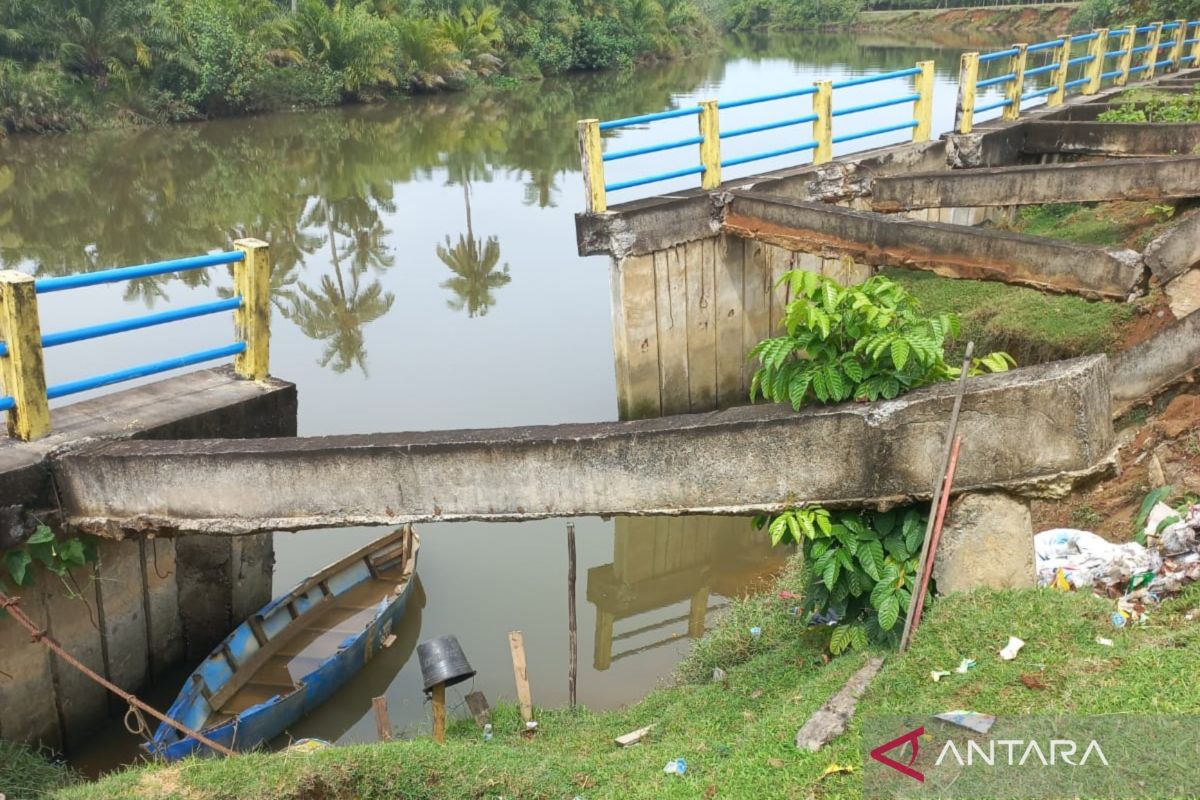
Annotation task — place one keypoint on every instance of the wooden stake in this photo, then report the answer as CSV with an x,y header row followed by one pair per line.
x,y
439,712
918,601
383,725
480,710
937,490
573,664
516,642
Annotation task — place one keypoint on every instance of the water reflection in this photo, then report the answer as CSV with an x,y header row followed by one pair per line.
x,y
473,263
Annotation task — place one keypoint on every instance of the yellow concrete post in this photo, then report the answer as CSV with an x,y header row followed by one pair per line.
x,y
1195,47
1126,60
968,76
1154,40
252,320
1016,87
822,129
22,369
710,145
1176,51
923,105
1096,49
591,158
1056,97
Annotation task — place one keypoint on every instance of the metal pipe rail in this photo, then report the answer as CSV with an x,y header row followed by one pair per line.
x,y
1092,66
21,351
709,136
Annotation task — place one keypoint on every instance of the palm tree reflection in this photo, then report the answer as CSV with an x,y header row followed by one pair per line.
x,y
473,262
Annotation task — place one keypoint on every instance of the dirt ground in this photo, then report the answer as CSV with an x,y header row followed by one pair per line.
x,y
1158,444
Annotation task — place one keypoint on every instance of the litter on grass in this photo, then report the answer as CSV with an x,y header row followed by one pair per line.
x,y
1100,640
964,665
1012,648
938,674
971,720
676,766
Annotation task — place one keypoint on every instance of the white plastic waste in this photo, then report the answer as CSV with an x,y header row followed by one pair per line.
x,y
1012,648
1179,534
1087,559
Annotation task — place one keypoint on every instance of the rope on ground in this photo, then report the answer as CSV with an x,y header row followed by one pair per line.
x,y
11,605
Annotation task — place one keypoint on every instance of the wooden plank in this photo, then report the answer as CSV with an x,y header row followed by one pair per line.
x,y
516,643
701,325
756,291
633,737
478,705
383,725
670,290
640,330
730,355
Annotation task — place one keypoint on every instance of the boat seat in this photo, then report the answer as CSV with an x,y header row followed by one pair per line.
x,y
250,695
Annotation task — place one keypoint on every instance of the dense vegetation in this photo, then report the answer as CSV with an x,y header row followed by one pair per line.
x,y
63,63
1094,13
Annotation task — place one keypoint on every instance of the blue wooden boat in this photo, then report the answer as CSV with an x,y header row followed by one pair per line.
x,y
292,655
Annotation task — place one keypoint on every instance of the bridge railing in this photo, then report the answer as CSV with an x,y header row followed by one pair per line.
x,y
709,137
1138,51
22,366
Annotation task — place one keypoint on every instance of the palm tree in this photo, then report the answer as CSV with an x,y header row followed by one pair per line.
x,y
96,38
473,263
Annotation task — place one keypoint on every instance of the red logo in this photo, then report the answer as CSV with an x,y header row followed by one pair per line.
x,y
905,769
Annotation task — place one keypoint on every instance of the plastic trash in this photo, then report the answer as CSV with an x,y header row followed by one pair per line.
x,y
938,674
971,720
1119,620
1012,648
1100,640
531,725
487,732
964,665
719,675
1083,559
756,631
676,766
1179,534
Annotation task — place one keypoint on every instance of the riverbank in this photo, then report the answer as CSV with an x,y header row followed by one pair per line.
x,y
1045,19
737,736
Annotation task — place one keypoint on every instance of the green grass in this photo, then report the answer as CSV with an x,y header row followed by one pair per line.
x,y
26,773
738,740
1032,326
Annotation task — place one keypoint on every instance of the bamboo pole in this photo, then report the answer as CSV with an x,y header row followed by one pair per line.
x,y
573,663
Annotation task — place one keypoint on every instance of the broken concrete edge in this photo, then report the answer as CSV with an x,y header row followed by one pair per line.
x,y
1110,139
943,248
1177,249
833,717
1053,487
1150,368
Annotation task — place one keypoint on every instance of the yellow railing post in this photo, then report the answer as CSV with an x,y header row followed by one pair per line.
x,y
710,145
822,129
1126,60
1016,87
968,76
1056,97
23,372
923,105
252,320
1095,68
1195,48
1154,40
591,158
1177,50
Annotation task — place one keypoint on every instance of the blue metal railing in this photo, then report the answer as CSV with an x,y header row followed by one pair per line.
x,y
88,332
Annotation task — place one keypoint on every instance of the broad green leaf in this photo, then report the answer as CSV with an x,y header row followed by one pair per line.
x,y
889,612
870,555
18,561
830,575
900,350
41,535
880,592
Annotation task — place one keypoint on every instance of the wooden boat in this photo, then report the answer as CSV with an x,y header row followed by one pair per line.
x,y
292,655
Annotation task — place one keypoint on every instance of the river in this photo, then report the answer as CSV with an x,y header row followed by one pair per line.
x,y
425,277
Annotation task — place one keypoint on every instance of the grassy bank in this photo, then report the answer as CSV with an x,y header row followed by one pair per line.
x,y
737,739
1032,326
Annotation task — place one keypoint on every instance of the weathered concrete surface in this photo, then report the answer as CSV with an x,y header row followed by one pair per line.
x,y
1183,293
164,617
1028,429
1110,138
123,615
1175,251
1163,359
950,250
75,620
987,541
1080,182
27,677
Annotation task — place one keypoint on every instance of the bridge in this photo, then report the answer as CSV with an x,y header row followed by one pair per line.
x,y
695,272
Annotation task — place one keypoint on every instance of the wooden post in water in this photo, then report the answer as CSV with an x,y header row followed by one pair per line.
x,y
383,725
968,76
439,712
23,372
1016,87
573,663
516,643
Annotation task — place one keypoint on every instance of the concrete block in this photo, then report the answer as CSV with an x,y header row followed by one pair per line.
x,y
1110,138
1176,250
121,594
1032,428
27,691
1183,293
987,542
1079,182
951,250
74,623
1153,365
164,621
252,559
204,565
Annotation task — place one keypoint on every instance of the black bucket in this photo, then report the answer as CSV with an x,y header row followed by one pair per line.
x,y
442,661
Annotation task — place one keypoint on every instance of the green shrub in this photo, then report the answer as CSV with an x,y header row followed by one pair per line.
x,y
354,43
601,44
291,86
37,100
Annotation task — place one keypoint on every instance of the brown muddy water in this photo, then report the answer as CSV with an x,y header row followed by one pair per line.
x,y
426,277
